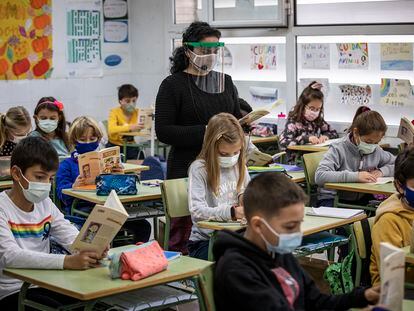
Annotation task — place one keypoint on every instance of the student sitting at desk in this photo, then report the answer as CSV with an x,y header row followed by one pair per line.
x,y
14,126
28,219
355,158
256,270
305,123
216,180
395,216
85,136
124,119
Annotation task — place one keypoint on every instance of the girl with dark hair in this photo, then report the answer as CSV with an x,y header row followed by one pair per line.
x,y
195,91
51,124
306,123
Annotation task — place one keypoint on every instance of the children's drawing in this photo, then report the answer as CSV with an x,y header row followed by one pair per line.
x,y
352,55
396,56
396,92
355,95
263,57
315,56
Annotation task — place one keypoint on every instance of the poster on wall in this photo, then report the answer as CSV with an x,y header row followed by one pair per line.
x,y
396,92
84,39
262,96
263,57
25,39
355,95
315,56
304,82
397,56
352,55
116,47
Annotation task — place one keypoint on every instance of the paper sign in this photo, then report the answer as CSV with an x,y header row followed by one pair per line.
x,y
115,8
355,95
263,95
396,92
396,56
116,31
353,55
263,57
315,56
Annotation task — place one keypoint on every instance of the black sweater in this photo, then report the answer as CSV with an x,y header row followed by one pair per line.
x,y
244,280
182,112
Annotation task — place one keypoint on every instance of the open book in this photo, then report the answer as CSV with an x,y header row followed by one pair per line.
x,y
382,181
145,119
392,272
333,212
406,131
258,158
91,164
328,142
260,112
101,226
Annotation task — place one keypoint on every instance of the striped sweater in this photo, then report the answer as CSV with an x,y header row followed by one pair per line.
x,y
25,238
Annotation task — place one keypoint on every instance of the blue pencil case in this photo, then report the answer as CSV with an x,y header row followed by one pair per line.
x,y
123,184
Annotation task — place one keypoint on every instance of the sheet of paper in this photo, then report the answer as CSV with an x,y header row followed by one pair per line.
x,y
328,142
333,212
383,180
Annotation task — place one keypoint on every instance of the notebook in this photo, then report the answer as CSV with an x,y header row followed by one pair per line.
x,y
382,181
333,212
327,143
171,255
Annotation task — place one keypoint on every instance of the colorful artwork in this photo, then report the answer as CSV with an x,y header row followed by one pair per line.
x,y
315,56
355,95
263,57
353,55
25,39
396,56
396,92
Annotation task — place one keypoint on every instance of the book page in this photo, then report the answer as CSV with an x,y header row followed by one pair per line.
x,y
89,166
145,119
114,202
333,212
406,131
260,112
328,142
383,180
258,158
109,159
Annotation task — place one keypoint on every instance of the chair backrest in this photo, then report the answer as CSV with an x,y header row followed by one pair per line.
x,y
175,197
362,235
310,163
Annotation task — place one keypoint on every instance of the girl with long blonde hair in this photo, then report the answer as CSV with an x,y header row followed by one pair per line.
x,y
15,124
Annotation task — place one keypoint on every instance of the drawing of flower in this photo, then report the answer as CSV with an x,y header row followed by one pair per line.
x,y
13,40
33,57
31,11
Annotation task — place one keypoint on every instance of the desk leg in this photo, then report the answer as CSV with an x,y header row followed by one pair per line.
x,y
210,246
22,296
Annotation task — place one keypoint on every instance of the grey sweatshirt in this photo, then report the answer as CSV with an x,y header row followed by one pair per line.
x,y
343,161
204,204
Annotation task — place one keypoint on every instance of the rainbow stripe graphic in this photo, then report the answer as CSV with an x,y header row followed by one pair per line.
x,y
21,231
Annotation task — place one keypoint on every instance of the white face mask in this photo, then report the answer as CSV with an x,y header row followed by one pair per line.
x,y
226,162
48,126
203,62
36,192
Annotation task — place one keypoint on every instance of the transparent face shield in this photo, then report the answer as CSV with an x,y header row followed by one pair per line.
x,y
207,60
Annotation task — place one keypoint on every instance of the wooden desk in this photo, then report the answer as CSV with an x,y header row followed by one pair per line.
x,y
263,140
134,168
310,225
409,257
6,184
307,148
96,283
386,189
297,177
145,193
133,134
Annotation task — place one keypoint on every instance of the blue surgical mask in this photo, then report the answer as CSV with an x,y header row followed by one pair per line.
x,y
288,242
366,148
409,196
47,125
82,147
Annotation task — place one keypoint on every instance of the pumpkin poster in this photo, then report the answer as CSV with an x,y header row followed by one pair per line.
x,y
25,39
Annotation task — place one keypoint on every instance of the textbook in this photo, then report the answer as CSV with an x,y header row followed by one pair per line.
x,y
333,212
261,169
328,142
382,181
406,131
145,119
258,158
392,272
101,226
260,112
94,163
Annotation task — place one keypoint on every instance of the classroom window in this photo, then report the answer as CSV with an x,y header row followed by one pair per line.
x,y
343,12
187,11
376,71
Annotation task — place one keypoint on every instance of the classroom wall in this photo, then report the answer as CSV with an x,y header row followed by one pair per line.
x,y
95,96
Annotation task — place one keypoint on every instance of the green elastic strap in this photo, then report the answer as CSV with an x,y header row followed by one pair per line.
x,y
205,44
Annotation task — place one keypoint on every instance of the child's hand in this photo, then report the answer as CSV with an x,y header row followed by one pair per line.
x,y
314,140
117,169
377,173
366,177
105,252
136,127
239,212
80,181
372,294
81,261
323,138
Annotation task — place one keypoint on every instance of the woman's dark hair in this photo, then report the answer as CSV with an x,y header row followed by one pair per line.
x,y
48,103
310,93
367,121
197,31
404,166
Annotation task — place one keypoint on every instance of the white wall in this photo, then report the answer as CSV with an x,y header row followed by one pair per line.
x,y
96,96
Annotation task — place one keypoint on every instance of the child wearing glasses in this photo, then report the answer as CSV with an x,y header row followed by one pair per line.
x,y
305,122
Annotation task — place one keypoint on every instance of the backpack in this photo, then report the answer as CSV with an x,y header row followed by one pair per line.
x,y
158,168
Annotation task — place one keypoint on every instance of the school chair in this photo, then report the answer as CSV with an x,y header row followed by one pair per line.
x,y
174,193
310,164
361,242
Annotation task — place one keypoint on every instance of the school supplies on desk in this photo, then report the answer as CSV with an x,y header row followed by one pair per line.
x,y
152,183
261,169
382,181
288,168
85,188
101,226
122,184
170,255
258,158
333,212
328,142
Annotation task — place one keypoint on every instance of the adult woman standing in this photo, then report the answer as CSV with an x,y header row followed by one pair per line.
x,y
186,100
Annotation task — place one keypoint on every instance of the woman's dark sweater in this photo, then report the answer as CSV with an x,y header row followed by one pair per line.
x,y
182,112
